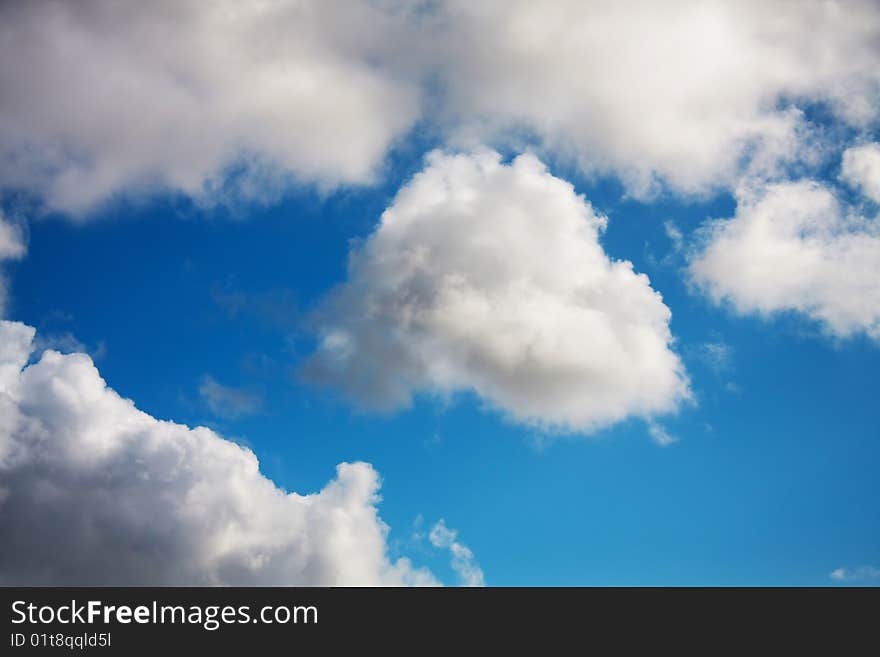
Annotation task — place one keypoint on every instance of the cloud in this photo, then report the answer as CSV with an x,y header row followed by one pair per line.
x,y
226,401
463,562
96,492
490,278
660,435
12,247
103,98
66,342
277,308
856,574
686,94
794,246
716,355
229,99
675,236
861,169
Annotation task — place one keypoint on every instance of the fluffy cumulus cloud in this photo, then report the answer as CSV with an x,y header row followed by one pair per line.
x,y
861,169
94,491
463,561
490,277
795,246
101,97
687,93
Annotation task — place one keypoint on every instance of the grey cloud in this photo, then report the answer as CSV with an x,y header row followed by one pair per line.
x,y
227,401
95,492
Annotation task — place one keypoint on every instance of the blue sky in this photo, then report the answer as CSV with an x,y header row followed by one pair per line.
x,y
773,483
770,477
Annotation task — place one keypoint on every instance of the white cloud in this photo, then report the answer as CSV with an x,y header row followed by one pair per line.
x,y
794,247
676,237
688,92
856,574
490,278
660,435
101,97
12,247
96,492
717,355
861,169
226,401
463,562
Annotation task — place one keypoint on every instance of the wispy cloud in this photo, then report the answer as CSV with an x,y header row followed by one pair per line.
x,y
660,435
676,237
276,308
67,343
717,356
858,574
12,247
228,402
463,562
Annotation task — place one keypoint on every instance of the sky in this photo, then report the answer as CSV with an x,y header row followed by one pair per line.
x,y
440,293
